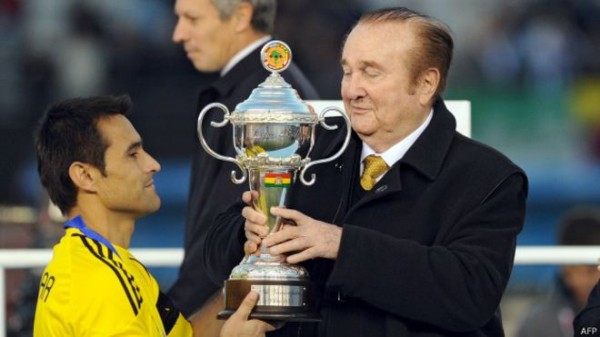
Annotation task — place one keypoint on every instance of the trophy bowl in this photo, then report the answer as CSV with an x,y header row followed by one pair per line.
x,y
273,135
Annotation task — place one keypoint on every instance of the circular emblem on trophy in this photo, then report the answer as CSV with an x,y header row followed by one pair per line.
x,y
276,56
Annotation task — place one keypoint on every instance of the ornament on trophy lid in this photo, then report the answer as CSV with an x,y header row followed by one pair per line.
x,y
276,56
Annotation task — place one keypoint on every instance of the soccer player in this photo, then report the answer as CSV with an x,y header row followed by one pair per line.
x,y
95,169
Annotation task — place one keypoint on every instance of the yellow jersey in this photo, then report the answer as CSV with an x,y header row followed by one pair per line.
x,y
91,289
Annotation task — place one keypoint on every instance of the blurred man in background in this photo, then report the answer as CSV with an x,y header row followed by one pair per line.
x,y
553,316
224,37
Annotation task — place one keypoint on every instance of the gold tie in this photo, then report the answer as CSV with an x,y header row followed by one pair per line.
x,y
375,166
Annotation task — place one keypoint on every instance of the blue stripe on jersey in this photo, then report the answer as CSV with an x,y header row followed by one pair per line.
x,y
77,222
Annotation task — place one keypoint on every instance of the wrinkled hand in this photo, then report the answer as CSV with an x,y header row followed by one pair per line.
x,y
238,324
255,227
308,239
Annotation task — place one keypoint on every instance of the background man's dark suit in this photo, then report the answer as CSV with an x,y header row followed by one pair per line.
x,y
211,190
427,252
587,322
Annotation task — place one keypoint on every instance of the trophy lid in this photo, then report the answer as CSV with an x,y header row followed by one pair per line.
x,y
274,101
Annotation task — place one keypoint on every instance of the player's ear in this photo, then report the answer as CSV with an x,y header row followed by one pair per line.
x,y
83,176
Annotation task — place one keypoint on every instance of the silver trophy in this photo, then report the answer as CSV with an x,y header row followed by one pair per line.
x,y
273,135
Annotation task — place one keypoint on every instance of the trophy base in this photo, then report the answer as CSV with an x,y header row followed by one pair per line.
x,y
274,317
291,301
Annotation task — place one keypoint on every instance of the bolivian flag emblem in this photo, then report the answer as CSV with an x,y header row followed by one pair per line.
x,y
273,179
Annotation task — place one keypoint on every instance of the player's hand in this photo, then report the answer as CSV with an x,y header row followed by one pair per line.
x,y
238,324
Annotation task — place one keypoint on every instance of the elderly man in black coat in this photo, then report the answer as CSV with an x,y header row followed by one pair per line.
x,y
424,248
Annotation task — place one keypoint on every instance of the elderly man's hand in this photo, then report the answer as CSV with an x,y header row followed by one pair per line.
x,y
255,227
306,240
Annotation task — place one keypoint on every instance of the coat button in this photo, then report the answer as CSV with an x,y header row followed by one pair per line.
x,y
381,188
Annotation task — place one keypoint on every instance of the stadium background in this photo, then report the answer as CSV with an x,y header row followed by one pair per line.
x,y
531,69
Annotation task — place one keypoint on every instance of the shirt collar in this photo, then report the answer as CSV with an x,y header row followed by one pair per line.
x,y
77,222
398,150
243,53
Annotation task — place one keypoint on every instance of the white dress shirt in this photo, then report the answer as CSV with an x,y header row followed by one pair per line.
x,y
243,53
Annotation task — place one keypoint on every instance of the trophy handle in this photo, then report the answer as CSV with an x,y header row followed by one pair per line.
x,y
210,151
337,154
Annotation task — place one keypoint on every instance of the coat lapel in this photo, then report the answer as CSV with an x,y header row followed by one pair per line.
x,y
428,153
390,183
